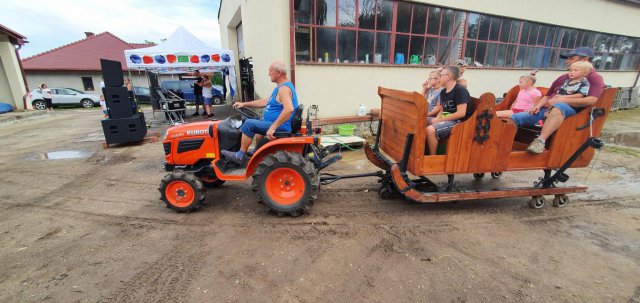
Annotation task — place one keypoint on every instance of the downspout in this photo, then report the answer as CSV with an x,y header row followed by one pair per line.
x,y
24,77
292,46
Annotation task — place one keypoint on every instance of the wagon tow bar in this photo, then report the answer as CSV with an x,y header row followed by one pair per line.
x,y
327,178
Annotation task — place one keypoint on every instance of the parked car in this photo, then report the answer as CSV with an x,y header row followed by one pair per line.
x,y
63,96
143,94
184,89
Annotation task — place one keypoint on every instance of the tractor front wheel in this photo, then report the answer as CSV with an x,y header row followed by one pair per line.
x,y
209,179
286,183
181,191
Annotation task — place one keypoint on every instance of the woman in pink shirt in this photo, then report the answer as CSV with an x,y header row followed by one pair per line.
x,y
527,96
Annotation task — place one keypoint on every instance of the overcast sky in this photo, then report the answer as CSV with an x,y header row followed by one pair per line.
x,y
50,24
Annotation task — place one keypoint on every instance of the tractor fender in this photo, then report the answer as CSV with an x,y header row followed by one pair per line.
x,y
292,144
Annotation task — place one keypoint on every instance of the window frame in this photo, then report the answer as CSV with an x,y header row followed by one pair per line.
x,y
541,46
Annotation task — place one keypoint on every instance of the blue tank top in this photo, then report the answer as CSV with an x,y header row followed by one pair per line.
x,y
274,108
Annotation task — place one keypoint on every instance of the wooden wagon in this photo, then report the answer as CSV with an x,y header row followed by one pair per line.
x,y
481,144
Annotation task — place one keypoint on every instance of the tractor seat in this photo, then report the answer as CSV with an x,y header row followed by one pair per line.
x,y
296,123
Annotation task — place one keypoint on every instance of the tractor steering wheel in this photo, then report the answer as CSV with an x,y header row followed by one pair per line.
x,y
247,113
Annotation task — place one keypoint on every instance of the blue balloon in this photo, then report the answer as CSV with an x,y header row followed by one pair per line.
x,y
225,58
160,59
135,59
205,58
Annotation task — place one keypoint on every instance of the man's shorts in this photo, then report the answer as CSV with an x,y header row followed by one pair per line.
x,y
525,119
443,129
208,101
199,99
251,127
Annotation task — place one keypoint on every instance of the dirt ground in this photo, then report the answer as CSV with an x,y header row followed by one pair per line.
x,y
93,229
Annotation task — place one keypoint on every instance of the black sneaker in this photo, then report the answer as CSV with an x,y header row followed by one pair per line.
x,y
195,114
231,156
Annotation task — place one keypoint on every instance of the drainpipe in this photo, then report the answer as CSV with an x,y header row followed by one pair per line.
x,y
292,46
24,77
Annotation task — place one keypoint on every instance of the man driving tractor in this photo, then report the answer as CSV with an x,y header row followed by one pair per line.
x,y
277,115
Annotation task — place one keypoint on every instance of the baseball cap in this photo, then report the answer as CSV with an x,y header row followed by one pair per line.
x,y
578,51
460,62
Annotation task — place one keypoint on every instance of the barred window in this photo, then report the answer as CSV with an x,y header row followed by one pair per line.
x,y
401,32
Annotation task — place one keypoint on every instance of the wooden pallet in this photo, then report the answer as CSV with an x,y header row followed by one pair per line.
x,y
151,137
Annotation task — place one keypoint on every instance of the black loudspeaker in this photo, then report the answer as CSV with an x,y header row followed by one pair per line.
x,y
112,73
125,130
118,104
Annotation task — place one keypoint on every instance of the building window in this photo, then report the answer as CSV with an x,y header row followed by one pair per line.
x,y
87,83
402,32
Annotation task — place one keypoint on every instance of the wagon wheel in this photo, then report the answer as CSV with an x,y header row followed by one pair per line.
x,y
286,183
536,202
496,175
385,192
209,179
181,191
560,200
479,176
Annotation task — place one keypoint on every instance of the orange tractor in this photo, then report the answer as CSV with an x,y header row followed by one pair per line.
x,y
284,171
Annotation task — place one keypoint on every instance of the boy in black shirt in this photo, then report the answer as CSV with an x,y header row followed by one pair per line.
x,y
197,91
452,109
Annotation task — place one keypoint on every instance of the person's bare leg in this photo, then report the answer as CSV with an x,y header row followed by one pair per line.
x,y
245,143
432,140
551,124
506,114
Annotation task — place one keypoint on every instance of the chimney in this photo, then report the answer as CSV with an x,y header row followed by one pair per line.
x,y
89,34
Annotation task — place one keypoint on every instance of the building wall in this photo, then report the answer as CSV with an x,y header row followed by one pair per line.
x,y
74,79
596,15
265,27
12,87
339,89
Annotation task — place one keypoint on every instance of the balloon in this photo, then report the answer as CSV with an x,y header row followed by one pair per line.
x,y
147,60
135,59
195,59
160,59
226,58
215,57
204,58
171,58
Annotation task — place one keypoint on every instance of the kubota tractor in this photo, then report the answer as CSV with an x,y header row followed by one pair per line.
x,y
284,171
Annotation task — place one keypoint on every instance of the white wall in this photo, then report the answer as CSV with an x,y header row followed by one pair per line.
x,y
74,79
265,26
340,89
598,15
12,87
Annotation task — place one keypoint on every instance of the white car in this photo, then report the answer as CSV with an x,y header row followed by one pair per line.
x,y
63,96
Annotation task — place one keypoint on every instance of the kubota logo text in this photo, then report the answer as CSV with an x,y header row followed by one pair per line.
x,y
197,132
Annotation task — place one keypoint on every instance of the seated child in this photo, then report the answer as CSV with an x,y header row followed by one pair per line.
x,y
577,86
527,96
431,90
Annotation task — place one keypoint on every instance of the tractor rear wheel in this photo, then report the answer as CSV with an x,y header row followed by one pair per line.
x,y
181,191
286,183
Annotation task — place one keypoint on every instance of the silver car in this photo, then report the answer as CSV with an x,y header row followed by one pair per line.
x,y
63,96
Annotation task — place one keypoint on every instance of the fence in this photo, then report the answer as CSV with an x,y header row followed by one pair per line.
x,y
626,98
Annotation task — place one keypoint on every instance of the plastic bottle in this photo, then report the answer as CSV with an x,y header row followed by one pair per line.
x,y
326,57
366,58
362,110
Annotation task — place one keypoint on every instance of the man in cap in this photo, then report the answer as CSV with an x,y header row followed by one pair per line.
x,y
562,107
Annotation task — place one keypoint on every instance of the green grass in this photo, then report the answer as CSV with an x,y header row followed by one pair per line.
x,y
628,151
625,115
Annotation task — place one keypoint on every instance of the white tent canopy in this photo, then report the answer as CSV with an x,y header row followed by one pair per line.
x,y
182,51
